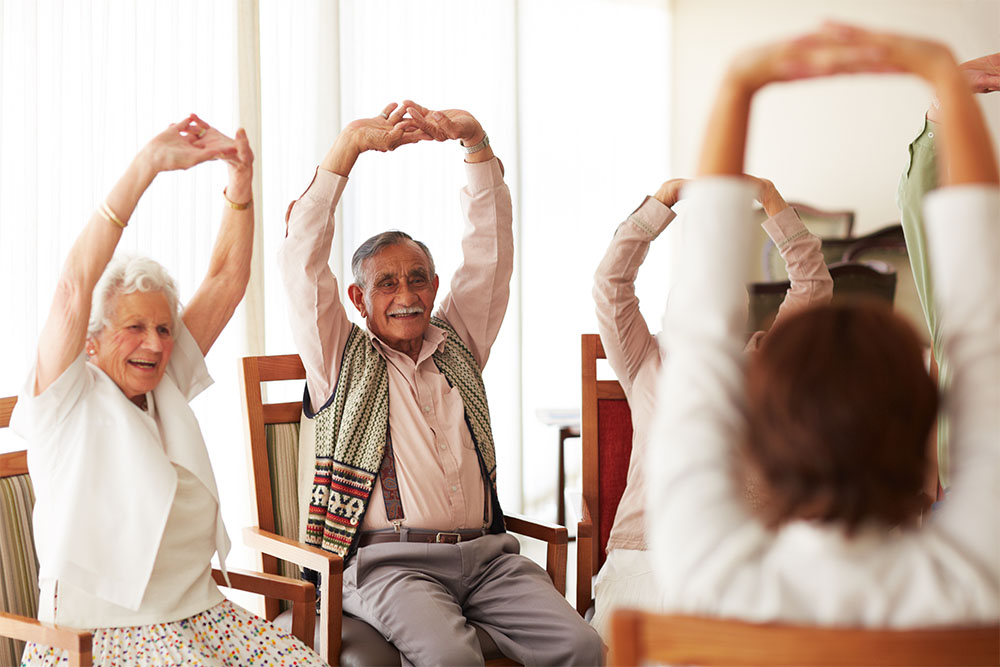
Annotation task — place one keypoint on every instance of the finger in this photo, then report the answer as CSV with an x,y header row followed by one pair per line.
x,y
388,109
412,104
397,115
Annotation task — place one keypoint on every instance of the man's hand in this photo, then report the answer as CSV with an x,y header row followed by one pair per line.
x,y
444,125
670,192
983,75
384,132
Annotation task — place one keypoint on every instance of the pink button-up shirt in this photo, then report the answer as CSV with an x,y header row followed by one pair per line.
x,y
440,483
632,350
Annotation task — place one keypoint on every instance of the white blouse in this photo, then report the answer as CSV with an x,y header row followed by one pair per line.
x,y
711,556
110,481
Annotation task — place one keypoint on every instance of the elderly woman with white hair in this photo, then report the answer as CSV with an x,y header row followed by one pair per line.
x,y
127,514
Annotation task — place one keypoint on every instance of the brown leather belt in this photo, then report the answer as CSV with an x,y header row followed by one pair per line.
x,y
423,536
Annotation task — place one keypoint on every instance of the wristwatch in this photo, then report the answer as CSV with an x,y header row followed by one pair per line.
x,y
478,147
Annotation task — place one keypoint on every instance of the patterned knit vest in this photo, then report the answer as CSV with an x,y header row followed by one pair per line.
x,y
351,434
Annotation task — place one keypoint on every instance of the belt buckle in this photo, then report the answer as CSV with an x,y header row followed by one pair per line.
x,y
448,538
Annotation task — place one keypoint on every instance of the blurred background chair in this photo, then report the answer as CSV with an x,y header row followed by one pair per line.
x,y
643,637
274,434
19,573
606,435
888,245
851,280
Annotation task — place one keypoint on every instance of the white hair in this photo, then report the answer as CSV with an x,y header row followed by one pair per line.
x,y
126,274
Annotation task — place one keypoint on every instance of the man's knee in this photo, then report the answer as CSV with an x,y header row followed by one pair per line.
x,y
440,649
581,645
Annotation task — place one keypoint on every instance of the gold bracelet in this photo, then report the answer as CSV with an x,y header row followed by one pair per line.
x,y
233,205
110,215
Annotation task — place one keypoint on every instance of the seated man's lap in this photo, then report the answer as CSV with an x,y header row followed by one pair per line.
x,y
419,596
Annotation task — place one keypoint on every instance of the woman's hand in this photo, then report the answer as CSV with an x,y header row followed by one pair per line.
x,y
235,152
180,146
670,191
768,196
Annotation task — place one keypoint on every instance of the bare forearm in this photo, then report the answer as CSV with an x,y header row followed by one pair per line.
x,y
342,155
966,147
725,138
65,330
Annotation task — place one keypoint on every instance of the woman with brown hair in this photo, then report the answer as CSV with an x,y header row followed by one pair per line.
x,y
835,409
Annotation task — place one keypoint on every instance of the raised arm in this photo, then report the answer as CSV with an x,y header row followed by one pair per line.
x,y
221,291
480,287
65,330
318,321
625,334
967,150
810,281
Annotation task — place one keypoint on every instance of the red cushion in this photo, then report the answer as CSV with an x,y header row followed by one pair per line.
x,y
614,437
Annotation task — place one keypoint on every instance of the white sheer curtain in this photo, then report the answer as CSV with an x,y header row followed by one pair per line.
x,y
565,89
83,87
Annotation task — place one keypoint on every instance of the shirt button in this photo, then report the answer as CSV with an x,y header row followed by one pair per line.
x,y
427,408
454,488
442,446
354,520
930,134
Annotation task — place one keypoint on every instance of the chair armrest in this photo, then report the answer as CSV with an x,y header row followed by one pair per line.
x,y
293,551
269,585
77,642
301,594
584,561
540,530
554,535
331,569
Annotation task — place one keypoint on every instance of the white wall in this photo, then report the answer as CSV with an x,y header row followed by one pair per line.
x,y
837,143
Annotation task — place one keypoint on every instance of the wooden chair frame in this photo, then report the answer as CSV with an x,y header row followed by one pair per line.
x,y
638,636
78,643
588,529
271,546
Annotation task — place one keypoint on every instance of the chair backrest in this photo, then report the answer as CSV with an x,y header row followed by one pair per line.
x,y
606,439
834,228
273,450
889,246
18,560
869,279
639,637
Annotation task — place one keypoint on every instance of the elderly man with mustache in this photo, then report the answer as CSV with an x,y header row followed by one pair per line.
x,y
405,484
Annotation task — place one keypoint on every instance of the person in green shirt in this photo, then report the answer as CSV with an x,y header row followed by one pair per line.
x,y
920,176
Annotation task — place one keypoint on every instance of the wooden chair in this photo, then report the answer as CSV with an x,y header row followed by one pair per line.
x,y
19,573
850,280
273,442
606,438
834,228
638,637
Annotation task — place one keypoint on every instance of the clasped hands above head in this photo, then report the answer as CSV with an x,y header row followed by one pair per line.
x,y
409,122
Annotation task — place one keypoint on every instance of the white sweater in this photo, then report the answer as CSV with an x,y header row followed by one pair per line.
x,y
712,556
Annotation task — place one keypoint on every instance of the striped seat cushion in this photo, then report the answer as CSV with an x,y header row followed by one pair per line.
x,y
283,462
19,571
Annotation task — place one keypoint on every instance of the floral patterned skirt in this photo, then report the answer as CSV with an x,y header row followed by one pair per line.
x,y
226,634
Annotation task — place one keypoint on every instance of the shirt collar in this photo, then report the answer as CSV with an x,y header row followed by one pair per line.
x,y
434,338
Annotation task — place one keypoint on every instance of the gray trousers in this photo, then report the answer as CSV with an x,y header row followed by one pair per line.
x,y
420,596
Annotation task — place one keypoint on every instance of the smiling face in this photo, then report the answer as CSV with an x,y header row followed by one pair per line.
x,y
135,346
398,297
